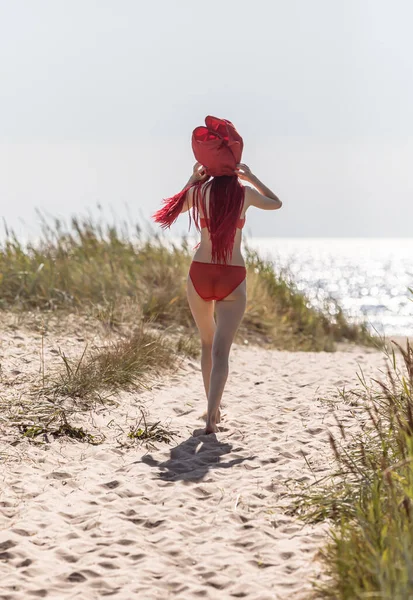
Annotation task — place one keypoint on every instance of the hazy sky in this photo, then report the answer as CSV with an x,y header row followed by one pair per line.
x,y
98,100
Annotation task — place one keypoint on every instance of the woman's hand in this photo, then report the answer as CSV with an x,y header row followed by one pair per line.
x,y
199,173
244,172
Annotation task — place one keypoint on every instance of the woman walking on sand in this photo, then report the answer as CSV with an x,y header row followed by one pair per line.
x,y
217,275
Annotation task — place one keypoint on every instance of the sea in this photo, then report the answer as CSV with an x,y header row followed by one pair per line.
x,y
372,279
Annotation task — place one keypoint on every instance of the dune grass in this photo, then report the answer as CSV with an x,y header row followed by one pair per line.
x,y
285,317
123,279
95,377
370,496
120,365
135,287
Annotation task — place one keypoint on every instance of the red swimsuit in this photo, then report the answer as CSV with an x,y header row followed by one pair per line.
x,y
214,281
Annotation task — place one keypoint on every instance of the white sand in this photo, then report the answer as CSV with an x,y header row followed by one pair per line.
x,y
200,518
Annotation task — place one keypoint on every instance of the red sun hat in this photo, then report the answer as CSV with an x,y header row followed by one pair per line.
x,y
217,146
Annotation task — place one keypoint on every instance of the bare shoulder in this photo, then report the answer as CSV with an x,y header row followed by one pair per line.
x,y
247,196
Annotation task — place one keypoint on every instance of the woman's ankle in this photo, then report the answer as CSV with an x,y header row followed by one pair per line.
x,y
212,421
210,428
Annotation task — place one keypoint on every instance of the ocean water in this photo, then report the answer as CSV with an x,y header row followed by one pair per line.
x,y
369,277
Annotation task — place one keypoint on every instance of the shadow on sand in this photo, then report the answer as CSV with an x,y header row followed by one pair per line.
x,y
192,459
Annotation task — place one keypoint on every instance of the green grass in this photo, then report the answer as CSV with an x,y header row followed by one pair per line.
x,y
123,279
285,317
135,287
370,497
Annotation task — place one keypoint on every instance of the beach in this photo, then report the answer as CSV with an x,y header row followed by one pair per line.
x,y
199,517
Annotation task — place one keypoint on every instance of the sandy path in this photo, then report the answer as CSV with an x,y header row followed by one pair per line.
x,y
200,518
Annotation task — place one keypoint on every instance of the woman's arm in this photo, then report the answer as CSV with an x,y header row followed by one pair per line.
x,y
199,174
189,198
180,202
262,196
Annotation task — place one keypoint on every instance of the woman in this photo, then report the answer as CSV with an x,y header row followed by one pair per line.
x,y
217,276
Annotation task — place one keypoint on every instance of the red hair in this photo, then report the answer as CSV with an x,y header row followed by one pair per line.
x,y
225,207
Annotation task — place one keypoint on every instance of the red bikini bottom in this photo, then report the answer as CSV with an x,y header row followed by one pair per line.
x,y
215,282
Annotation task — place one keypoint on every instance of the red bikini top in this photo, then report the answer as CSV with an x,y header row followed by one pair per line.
x,y
240,223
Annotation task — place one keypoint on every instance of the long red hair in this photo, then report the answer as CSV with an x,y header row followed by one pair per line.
x,y
225,207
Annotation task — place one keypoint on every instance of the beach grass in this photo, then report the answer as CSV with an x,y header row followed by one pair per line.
x,y
55,401
120,365
369,498
134,287
123,278
284,316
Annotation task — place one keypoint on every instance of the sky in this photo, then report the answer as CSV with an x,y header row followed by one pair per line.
x,y
98,101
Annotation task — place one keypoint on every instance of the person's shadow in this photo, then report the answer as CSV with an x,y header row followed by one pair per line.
x,y
192,459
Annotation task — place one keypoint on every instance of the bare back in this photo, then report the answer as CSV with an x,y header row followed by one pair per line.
x,y
204,251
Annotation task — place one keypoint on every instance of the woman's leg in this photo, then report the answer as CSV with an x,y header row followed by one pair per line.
x,y
203,313
229,313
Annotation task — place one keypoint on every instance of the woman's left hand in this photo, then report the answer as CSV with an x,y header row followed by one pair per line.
x,y
199,173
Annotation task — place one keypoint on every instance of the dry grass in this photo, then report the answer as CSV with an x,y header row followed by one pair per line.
x,y
370,497
150,433
95,377
285,318
121,365
122,279
126,283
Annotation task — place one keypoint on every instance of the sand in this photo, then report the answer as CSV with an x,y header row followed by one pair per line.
x,y
203,517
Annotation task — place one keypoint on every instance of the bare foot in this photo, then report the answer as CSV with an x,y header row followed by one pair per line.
x,y
211,429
